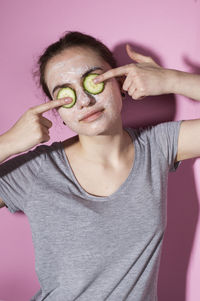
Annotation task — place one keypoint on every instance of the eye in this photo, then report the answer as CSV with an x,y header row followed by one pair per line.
x,y
67,92
90,86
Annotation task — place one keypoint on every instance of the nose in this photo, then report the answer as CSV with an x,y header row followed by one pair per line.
x,y
84,99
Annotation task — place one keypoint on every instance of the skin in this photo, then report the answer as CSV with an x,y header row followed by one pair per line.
x,y
143,78
147,78
104,133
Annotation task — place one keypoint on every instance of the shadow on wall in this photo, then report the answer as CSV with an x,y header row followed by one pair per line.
x,y
194,67
152,109
182,217
182,203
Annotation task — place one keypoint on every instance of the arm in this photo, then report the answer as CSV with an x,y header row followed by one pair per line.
x,y
2,204
5,153
184,83
30,130
189,141
5,147
147,78
187,84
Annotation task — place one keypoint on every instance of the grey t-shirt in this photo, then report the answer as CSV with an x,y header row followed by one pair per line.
x,y
88,247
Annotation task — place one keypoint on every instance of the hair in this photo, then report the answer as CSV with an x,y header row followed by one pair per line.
x,y
68,40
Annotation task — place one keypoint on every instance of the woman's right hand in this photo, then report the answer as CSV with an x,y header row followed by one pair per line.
x,y
31,128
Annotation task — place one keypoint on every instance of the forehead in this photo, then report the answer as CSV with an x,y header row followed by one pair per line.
x,y
74,57
70,64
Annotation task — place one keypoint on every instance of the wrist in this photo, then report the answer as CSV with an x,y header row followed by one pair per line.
x,y
4,148
6,143
185,83
174,81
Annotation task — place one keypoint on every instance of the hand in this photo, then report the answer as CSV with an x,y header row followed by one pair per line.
x,y
143,78
31,128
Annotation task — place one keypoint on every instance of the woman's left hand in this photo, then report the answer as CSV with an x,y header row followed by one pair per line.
x,y
144,78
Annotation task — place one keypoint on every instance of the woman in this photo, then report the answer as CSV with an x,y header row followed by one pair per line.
x,y
96,202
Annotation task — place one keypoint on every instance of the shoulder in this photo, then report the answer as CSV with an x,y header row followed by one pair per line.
x,y
162,133
157,128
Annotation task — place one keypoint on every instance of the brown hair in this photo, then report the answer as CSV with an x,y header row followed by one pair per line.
x,y
71,39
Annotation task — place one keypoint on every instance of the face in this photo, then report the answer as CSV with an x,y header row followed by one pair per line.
x,y
68,67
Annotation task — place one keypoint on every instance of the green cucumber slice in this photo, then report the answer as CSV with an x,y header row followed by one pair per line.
x,y
67,92
90,86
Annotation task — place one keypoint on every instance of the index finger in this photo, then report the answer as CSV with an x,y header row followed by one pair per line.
x,y
123,70
51,105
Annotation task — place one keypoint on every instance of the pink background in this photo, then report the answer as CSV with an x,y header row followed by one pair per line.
x,y
168,31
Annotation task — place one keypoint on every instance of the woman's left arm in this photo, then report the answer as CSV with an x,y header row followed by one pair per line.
x,y
187,84
147,78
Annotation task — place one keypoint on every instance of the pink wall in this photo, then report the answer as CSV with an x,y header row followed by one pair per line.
x,y
167,30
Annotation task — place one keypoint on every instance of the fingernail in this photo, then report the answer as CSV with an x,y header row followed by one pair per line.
x,y
68,99
95,80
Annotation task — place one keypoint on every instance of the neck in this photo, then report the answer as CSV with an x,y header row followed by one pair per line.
x,y
106,149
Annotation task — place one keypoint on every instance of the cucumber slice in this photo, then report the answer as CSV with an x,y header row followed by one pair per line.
x,y
90,86
67,92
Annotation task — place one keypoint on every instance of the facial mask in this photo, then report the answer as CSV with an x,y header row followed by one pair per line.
x,y
69,68
77,72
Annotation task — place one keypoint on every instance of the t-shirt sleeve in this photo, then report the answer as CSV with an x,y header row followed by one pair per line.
x,y
166,136
17,178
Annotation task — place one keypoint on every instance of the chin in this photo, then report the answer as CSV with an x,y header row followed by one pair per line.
x,y
100,127
96,132
90,132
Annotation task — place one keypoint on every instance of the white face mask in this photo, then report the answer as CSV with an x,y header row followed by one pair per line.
x,y
68,67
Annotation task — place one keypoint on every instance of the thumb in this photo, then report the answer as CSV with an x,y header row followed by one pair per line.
x,y
137,56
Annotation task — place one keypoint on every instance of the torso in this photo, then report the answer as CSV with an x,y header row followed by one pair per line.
x,y
96,179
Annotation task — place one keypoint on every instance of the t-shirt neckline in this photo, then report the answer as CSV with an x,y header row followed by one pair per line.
x,y
121,187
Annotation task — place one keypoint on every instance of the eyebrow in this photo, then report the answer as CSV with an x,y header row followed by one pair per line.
x,y
83,75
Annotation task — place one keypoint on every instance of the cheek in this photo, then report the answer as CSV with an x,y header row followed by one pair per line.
x,y
110,99
112,96
69,116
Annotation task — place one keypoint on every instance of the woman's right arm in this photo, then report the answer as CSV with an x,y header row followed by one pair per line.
x,y
5,149
4,154
31,129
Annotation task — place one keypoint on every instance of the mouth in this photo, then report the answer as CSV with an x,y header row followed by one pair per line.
x,y
92,116
93,113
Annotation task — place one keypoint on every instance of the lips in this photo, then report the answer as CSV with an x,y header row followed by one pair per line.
x,y
91,113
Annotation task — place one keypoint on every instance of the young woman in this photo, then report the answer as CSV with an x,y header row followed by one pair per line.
x,y
96,202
